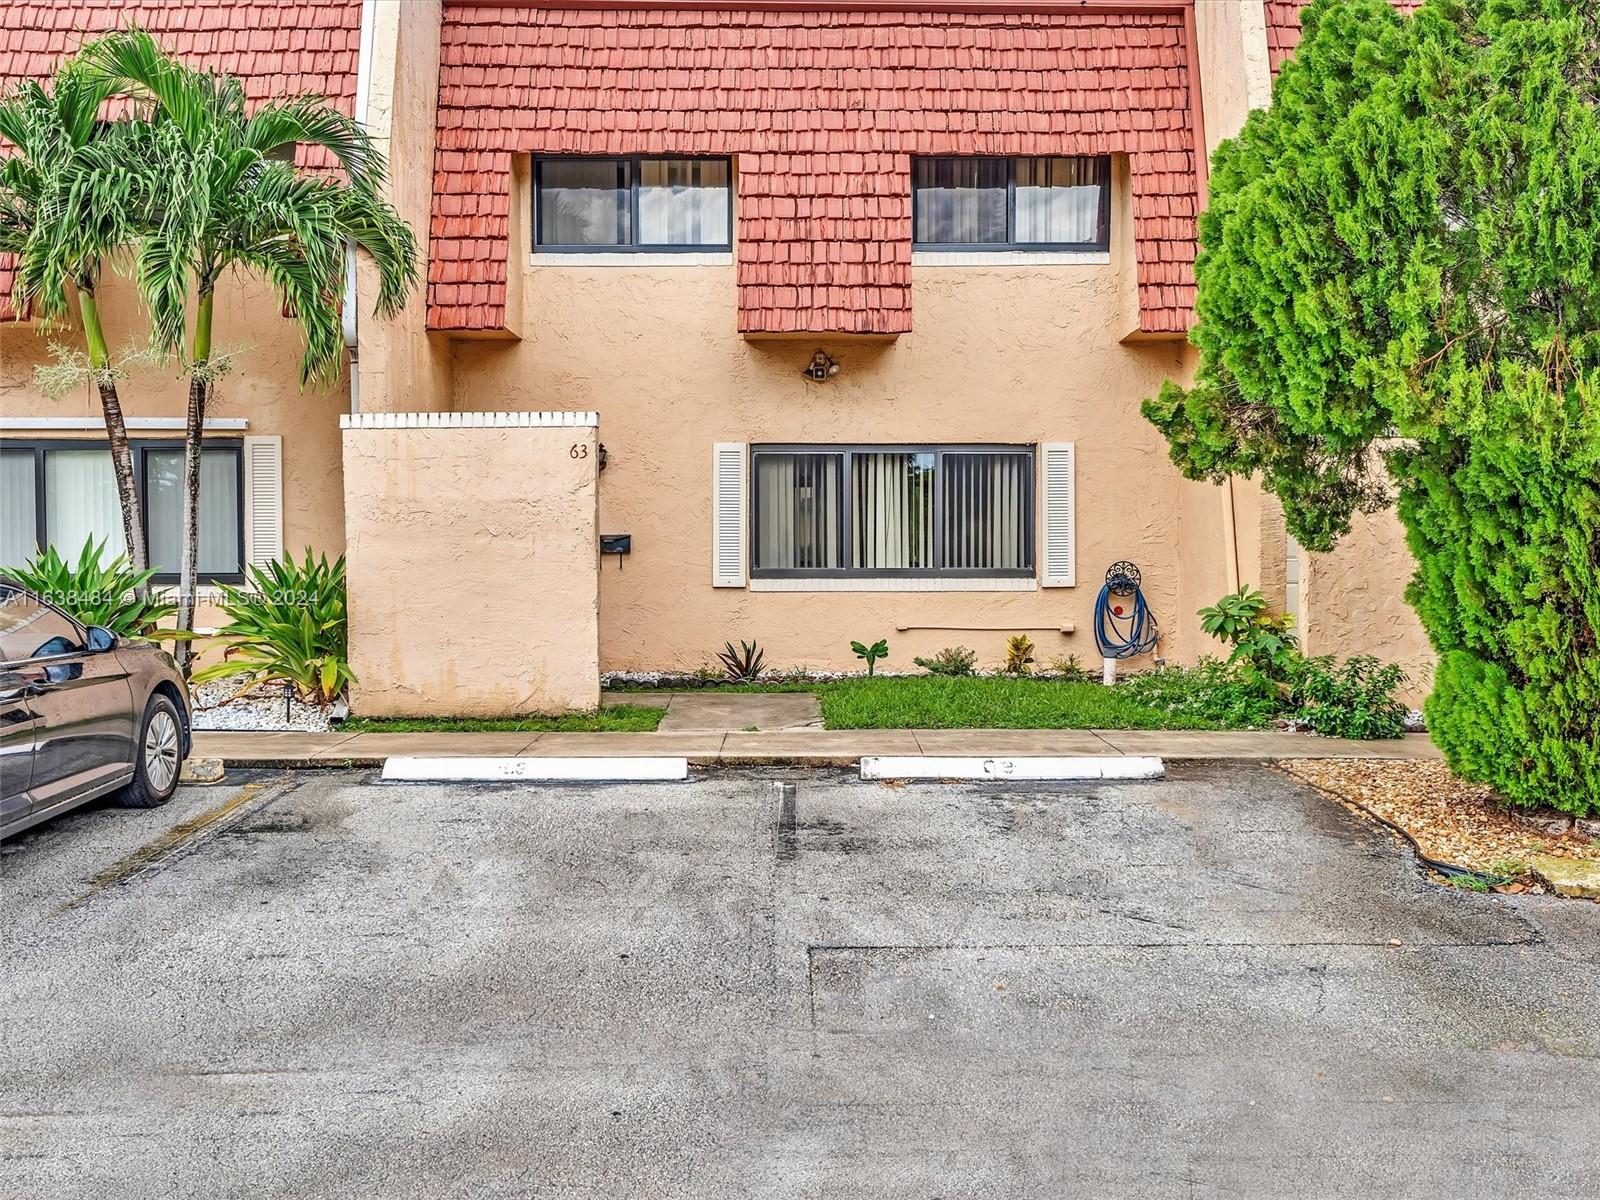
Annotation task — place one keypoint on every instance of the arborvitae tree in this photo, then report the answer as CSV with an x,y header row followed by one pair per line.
x,y
1399,300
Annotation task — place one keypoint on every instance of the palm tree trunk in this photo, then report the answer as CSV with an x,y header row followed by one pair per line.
x,y
193,432
116,430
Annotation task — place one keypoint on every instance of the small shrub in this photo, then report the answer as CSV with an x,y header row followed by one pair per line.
x,y
1068,669
288,624
1259,639
952,660
1353,699
95,592
1019,655
743,665
878,649
1209,691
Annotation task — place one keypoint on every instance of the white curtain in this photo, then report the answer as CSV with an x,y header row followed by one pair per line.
x,y
797,511
960,201
1058,200
986,502
219,510
683,202
893,514
18,516
80,500
583,203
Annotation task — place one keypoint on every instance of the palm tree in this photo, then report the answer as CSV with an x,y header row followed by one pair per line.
x,y
231,197
66,208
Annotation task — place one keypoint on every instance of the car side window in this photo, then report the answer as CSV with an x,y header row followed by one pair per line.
x,y
30,629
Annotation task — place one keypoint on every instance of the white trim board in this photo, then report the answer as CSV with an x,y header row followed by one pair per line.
x,y
467,420
1110,766
1014,258
135,424
606,769
624,258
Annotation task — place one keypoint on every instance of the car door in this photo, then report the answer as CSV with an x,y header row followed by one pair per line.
x,y
81,699
17,726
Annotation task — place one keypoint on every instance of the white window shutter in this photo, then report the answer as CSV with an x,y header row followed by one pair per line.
x,y
727,514
263,500
1058,469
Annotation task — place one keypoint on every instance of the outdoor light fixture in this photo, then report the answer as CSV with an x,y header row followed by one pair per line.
x,y
821,367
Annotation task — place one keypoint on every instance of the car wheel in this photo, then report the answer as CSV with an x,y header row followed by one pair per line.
x,y
158,756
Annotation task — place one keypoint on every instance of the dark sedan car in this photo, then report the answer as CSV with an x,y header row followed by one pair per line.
x,y
82,713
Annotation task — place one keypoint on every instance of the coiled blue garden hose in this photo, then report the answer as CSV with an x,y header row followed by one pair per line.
x,y
1124,626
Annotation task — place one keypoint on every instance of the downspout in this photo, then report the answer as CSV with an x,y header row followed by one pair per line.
x,y
1197,132
350,323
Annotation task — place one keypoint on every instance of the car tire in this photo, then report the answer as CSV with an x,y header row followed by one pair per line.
x,y
158,756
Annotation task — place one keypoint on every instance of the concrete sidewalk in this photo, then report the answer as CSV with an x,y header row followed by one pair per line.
x,y
813,747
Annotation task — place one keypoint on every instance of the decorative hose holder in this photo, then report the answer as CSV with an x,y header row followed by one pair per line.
x,y
1124,626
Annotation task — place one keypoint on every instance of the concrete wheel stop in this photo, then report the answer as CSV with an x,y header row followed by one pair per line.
x,y
1041,767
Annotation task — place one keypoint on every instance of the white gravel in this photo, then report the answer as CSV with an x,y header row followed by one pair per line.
x,y
216,706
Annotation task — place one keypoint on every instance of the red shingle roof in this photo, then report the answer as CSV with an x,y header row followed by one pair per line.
x,y
1283,27
824,111
276,47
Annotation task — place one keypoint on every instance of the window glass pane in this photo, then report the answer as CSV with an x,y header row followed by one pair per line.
x,y
1059,200
584,203
987,498
960,201
18,527
798,499
80,502
892,511
219,552
28,629
683,202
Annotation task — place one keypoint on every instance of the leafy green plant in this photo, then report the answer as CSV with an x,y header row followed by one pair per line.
x,y
878,649
1068,669
743,665
95,592
1397,302
1353,699
1019,655
1209,693
288,625
1259,638
952,660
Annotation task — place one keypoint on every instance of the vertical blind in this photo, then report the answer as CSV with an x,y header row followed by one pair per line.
x,y
613,202
80,501
1016,201
18,517
918,509
218,552
683,202
1058,199
584,203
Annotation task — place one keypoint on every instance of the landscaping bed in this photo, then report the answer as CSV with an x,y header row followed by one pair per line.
x,y
1452,821
614,718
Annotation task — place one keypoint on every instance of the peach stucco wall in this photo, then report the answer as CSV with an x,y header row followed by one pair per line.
x,y
471,567
1000,353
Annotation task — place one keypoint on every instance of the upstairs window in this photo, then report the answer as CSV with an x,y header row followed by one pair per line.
x,y
1012,203
644,204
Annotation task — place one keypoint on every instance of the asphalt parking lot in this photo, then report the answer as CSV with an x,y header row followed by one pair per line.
x,y
1217,985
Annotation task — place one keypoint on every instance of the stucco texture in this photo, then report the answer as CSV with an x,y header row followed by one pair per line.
x,y
1001,353
472,570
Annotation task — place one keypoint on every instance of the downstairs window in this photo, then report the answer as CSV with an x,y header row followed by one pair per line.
x,y
892,511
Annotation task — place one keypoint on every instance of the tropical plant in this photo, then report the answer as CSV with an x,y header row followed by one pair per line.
x,y
67,206
1019,655
113,594
226,198
952,660
287,625
1260,639
1400,276
743,665
878,649
1353,699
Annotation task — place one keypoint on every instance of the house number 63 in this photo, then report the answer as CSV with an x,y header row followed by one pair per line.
x,y
579,450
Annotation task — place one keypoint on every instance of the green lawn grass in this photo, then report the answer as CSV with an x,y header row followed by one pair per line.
x,y
613,718
989,702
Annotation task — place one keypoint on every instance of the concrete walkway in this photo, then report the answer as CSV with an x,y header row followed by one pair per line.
x,y
815,747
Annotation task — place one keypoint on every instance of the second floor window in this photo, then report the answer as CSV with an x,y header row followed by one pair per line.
x,y
1012,203
650,204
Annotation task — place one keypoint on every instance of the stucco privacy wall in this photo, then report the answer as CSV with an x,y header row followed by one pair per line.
x,y
472,544
1000,352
